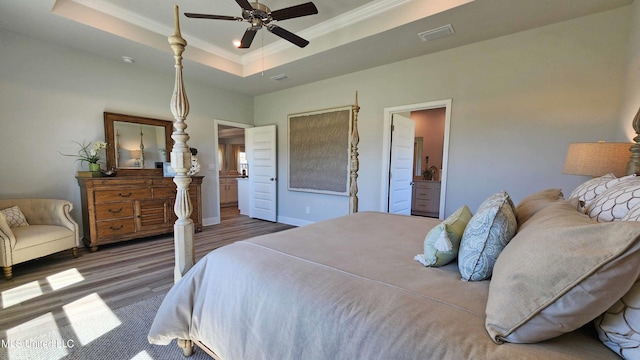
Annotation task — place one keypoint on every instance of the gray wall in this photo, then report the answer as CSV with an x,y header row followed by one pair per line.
x,y
518,101
51,96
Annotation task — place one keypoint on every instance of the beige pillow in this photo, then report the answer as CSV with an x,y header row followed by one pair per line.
x,y
15,217
533,203
614,203
619,327
544,281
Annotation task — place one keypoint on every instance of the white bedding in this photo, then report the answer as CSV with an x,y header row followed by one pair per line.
x,y
346,288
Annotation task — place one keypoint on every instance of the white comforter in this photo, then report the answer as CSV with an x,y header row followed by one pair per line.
x,y
346,288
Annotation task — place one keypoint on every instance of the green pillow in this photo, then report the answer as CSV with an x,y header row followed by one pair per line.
x,y
442,242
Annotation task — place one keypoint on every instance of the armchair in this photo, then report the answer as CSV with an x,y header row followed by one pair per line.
x,y
51,229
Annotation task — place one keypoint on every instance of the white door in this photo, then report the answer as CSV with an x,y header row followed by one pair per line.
x,y
260,147
401,167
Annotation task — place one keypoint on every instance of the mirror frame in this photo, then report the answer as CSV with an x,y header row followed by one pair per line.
x,y
109,136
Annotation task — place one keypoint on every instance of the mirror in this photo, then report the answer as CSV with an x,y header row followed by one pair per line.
x,y
137,145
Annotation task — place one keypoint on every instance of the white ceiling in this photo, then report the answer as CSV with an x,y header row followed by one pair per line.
x,y
345,36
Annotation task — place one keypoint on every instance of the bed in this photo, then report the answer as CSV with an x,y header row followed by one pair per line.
x,y
350,287
346,288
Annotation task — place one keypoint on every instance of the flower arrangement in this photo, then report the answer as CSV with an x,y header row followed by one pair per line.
x,y
89,153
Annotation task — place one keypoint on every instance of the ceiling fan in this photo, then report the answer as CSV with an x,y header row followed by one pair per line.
x,y
259,15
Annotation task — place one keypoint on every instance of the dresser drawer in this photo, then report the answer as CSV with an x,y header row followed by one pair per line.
x,y
102,196
107,229
423,194
114,210
170,192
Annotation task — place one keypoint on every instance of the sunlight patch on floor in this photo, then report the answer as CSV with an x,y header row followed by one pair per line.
x,y
21,293
28,340
90,318
143,355
64,278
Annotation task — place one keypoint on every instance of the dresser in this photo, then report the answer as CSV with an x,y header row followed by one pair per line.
x,y
123,208
426,198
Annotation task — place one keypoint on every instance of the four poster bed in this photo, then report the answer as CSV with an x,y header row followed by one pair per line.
x,y
348,288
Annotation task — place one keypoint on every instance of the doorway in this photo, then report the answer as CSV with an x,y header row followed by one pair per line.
x,y
231,168
436,151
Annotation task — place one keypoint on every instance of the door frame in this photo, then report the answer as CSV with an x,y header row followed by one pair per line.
x,y
386,148
216,176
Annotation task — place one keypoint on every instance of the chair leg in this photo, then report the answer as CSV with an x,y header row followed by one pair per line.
x,y
8,273
74,252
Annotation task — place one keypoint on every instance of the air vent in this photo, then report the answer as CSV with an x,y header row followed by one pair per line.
x,y
436,33
279,77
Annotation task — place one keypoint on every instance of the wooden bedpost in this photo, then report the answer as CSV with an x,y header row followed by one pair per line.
x,y
633,165
355,163
183,229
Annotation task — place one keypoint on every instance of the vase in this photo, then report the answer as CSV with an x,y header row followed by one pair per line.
x,y
94,167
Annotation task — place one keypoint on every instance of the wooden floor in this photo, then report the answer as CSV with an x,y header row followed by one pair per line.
x,y
120,274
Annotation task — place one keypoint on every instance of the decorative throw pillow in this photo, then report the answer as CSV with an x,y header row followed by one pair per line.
x,y
633,214
15,217
486,234
533,203
619,327
614,203
588,190
552,277
442,242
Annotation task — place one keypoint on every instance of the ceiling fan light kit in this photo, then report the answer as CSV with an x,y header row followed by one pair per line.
x,y
259,15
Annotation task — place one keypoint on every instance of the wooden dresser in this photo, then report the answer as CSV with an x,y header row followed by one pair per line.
x,y
116,209
426,198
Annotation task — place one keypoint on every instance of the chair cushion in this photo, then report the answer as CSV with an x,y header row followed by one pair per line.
x,y
619,327
36,235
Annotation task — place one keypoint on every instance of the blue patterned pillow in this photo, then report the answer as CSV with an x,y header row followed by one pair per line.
x,y
486,234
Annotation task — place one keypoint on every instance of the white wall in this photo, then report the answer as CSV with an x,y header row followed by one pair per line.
x,y
631,104
51,96
518,101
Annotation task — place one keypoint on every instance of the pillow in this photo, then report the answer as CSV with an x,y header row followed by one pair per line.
x,y
588,190
533,203
442,242
15,217
633,214
486,234
559,273
613,204
619,327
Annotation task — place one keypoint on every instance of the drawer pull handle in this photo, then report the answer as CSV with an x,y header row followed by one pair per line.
x,y
116,228
123,195
115,211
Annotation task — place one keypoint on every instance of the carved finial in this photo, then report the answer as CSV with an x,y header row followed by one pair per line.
x,y
176,24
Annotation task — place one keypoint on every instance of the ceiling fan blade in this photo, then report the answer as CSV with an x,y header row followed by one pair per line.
x,y
288,35
245,5
247,38
214,17
294,11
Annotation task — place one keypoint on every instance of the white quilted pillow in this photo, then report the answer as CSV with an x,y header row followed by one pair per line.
x,y
15,217
616,202
619,327
590,189
633,214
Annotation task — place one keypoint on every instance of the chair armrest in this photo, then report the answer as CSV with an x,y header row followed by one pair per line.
x,y
7,242
48,212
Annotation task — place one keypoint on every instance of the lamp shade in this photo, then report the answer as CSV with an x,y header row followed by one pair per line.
x,y
136,154
597,158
